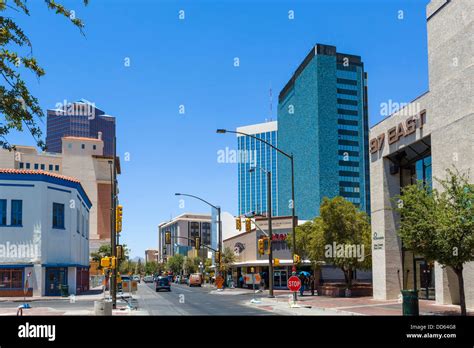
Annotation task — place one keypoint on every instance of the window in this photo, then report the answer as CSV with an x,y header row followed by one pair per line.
x,y
58,215
3,212
78,221
94,147
22,165
56,167
17,212
42,167
28,165
11,278
36,166
50,167
83,146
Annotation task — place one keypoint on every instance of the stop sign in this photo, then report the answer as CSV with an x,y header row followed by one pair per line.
x,y
294,283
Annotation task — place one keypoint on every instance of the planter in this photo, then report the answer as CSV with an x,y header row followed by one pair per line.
x,y
340,290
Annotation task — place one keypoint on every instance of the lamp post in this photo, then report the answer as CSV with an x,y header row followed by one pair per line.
x,y
113,281
289,156
219,246
270,228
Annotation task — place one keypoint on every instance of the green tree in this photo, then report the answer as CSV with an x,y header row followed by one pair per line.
x,y
227,259
175,263
347,236
310,244
440,225
18,107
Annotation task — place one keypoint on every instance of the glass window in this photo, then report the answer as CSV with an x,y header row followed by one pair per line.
x,y
50,167
11,278
56,167
28,165
42,167
94,147
58,215
78,221
3,212
22,165
83,146
36,166
17,212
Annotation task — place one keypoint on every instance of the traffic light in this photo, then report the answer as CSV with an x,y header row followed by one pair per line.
x,y
296,259
266,245
248,225
113,262
261,246
119,252
197,242
276,262
118,219
105,262
218,257
168,237
238,224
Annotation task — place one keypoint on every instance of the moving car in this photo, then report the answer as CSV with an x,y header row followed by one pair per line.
x,y
148,279
195,279
162,283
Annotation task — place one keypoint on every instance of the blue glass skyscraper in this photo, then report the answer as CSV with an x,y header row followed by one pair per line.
x,y
79,119
323,122
255,154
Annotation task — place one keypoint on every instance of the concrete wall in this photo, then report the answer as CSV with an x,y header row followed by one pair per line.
x,y
449,123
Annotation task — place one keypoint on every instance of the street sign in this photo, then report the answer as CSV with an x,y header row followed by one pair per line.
x,y
294,283
219,282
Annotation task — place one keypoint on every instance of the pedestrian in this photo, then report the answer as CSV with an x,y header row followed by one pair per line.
x,y
312,285
241,281
302,284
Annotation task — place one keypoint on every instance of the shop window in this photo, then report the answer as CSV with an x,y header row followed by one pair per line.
x,y
11,278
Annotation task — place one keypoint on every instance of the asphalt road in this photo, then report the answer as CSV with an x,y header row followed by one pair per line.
x,y
183,300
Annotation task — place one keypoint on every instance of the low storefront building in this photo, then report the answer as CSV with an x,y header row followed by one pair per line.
x,y
44,234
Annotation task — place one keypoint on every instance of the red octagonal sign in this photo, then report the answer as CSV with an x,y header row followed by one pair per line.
x,y
294,283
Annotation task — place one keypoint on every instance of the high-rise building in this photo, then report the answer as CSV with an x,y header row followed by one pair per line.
x,y
79,119
255,154
323,122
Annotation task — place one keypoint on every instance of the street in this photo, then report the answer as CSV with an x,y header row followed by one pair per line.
x,y
183,300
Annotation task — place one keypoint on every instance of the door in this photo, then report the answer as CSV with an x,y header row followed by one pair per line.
x,y
280,278
54,278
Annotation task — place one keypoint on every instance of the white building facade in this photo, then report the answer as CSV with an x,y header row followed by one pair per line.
x,y
44,233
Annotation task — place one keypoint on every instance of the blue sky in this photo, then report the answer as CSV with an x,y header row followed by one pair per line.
x,y
190,62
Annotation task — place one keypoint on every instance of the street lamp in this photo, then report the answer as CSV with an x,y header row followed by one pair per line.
x,y
270,228
219,247
290,156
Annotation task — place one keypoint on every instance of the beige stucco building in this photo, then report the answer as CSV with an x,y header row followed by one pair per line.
x,y
422,140
83,159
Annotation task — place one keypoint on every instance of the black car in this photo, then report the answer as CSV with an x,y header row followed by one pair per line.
x,y
162,283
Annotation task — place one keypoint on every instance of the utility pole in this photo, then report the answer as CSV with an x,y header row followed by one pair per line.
x,y
270,234
113,287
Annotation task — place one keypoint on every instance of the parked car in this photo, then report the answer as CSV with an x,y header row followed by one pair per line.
x,y
195,279
148,279
162,283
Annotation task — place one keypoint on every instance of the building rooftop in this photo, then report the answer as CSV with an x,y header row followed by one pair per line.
x,y
38,172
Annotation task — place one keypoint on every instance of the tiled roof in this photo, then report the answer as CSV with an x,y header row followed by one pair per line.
x,y
38,172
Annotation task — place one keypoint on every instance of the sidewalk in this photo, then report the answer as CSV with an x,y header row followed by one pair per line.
x,y
324,305
93,294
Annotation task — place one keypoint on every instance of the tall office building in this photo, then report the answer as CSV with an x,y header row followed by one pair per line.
x,y
255,154
323,121
79,119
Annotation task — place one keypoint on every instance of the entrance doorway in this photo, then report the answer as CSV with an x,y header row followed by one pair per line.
x,y
280,278
54,278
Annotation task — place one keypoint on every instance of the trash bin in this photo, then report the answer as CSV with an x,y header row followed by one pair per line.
x,y
64,290
410,303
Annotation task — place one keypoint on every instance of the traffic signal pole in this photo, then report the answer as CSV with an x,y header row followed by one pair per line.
x,y
270,234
